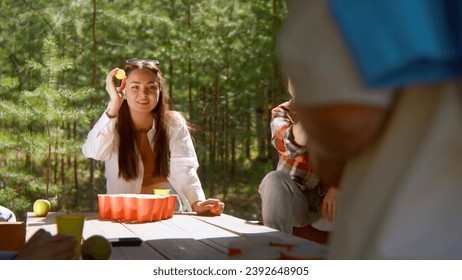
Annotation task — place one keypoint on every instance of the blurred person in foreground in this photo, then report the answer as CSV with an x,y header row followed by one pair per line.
x,y
292,196
395,152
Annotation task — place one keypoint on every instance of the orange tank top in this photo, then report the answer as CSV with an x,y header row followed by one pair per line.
x,y
147,156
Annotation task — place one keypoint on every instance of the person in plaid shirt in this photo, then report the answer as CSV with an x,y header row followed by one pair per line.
x,y
292,195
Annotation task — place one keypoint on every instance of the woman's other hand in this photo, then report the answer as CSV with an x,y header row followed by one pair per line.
x,y
209,207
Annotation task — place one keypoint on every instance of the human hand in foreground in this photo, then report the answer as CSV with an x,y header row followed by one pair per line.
x,y
209,207
329,205
43,246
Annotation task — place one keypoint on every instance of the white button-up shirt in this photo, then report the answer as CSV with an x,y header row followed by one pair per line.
x,y
103,144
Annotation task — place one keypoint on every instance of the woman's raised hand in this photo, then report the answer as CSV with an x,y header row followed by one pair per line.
x,y
115,93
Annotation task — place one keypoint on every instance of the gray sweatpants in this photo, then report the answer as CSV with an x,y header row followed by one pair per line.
x,y
284,205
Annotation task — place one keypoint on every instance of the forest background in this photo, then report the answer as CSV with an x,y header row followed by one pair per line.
x,y
220,62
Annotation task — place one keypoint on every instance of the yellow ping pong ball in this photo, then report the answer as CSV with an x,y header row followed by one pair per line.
x,y
120,74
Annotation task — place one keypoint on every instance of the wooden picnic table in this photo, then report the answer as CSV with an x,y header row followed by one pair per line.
x,y
185,236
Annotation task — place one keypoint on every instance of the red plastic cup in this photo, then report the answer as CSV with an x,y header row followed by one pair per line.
x,y
165,207
145,206
117,206
104,206
130,205
171,205
158,208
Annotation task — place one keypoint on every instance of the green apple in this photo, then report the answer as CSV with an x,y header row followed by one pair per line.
x,y
41,207
96,247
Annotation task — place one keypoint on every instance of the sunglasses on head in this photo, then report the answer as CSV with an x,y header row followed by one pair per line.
x,y
130,61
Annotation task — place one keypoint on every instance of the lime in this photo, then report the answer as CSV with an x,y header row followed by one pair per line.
x,y
120,74
96,247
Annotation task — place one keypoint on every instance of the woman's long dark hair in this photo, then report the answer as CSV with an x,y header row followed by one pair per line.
x,y
128,152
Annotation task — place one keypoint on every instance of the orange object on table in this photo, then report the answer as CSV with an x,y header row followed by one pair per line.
x,y
12,236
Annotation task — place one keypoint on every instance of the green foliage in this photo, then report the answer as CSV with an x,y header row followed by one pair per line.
x,y
12,200
46,109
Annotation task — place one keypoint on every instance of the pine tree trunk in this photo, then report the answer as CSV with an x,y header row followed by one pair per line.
x,y
247,135
91,186
190,99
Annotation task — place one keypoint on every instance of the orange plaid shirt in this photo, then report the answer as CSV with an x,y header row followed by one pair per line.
x,y
293,158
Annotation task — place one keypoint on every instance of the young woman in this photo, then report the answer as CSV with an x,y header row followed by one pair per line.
x,y
145,145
